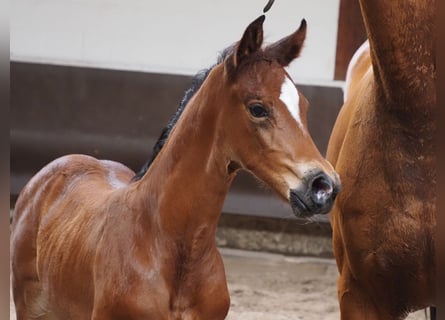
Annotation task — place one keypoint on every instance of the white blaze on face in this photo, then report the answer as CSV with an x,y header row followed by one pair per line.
x,y
290,97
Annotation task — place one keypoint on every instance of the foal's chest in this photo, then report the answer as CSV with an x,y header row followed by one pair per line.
x,y
205,303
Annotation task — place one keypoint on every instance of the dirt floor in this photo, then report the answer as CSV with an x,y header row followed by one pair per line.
x,y
274,287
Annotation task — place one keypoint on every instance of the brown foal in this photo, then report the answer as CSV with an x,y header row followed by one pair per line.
x,y
90,242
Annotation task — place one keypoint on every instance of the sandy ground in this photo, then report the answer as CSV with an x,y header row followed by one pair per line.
x,y
274,287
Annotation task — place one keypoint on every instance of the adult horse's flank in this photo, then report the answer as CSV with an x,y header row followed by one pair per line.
x,y
89,244
382,147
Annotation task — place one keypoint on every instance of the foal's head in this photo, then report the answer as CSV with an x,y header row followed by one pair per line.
x,y
264,122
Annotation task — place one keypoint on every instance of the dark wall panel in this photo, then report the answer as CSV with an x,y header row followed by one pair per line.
x,y
118,115
351,34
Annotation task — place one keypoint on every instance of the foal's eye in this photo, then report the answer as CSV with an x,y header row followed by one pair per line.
x,y
258,110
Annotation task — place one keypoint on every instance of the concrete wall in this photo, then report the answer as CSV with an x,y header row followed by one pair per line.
x,y
109,114
102,77
176,37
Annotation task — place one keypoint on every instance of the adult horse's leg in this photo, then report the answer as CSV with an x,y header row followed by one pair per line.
x,y
354,302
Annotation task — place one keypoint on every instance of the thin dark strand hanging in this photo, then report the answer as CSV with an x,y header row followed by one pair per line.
x,y
268,6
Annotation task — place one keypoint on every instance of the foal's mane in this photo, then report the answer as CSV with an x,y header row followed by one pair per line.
x,y
197,82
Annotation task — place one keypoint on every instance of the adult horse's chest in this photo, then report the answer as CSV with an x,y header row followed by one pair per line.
x,y
385,207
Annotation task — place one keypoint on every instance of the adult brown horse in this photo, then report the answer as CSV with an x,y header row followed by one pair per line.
x,y
90,242
382,147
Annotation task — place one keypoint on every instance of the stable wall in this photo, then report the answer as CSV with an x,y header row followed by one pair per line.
x,y
103,77
174,37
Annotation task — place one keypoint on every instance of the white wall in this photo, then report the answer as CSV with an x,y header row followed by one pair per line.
x,y
166,36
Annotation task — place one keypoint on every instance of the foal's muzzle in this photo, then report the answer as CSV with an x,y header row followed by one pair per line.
x,y
315,196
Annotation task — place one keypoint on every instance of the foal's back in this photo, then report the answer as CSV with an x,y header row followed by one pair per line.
x,y
45,194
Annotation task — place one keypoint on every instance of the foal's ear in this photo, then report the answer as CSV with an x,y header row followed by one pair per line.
x,y
288,48
249,43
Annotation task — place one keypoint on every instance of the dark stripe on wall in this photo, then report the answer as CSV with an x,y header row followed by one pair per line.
x,y
118,115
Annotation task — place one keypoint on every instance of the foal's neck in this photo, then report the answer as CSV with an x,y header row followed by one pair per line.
x,y
188,181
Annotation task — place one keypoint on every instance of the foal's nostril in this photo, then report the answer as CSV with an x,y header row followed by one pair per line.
x,y
321,189
316,195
